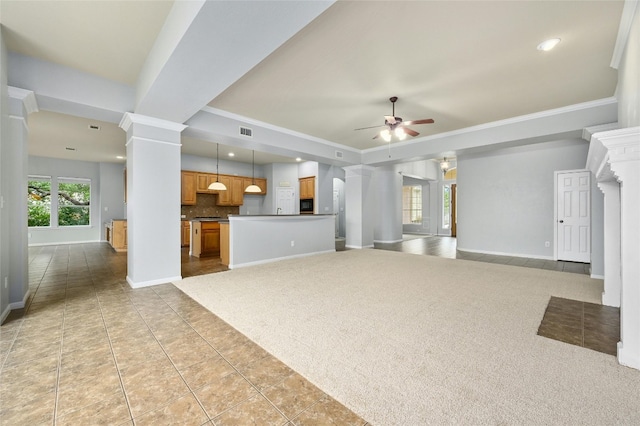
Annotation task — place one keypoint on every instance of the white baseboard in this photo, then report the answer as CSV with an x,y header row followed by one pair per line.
x,y
628,359
5,314
276,259
498,253
597,277
61,243
21,304
351,246
387,242
150,283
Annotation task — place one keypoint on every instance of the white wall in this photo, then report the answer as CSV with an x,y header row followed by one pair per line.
x,y
506,197
226,167
111,202
55,168
4,184
628,91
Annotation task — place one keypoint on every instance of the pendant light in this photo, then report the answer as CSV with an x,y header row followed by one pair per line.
x,y
253,188
217,185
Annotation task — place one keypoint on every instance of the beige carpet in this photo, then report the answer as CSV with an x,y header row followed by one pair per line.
x,y
404,339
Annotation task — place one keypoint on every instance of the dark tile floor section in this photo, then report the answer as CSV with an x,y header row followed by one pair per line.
x,y
446,247
583,324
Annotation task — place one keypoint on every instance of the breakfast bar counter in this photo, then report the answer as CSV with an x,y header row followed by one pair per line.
x,y
254,239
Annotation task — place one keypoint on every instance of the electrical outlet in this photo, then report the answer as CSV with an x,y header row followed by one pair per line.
x,y
547,244
293,243
6,282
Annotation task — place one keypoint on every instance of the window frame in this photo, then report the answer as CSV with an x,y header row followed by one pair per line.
x,y
60,206
413,211
40,178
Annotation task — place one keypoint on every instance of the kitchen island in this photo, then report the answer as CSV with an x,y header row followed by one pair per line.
x,y
205,237
257,239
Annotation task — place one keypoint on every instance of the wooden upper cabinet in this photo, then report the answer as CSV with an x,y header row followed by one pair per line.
x,y
307,187
224,197
203,182
188,188
196,182
237,190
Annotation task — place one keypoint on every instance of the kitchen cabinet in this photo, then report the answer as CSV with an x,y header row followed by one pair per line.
x,y
224,243
307,187
203,181
185,234
117,234
188,188
205,238
234,195
261,182
198,183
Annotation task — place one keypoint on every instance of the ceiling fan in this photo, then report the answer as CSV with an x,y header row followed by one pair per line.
x,y
396,126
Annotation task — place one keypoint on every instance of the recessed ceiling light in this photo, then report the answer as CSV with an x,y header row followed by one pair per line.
x,y
231,154
120,157
298,159
547,45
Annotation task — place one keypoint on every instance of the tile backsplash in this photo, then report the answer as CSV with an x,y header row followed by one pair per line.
x,y
206,207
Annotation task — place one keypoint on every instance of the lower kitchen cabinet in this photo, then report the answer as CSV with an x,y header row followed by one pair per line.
x,y
117,234
205,238
185,234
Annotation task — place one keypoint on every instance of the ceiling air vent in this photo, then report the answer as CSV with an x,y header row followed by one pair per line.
x,y
245,131
338,154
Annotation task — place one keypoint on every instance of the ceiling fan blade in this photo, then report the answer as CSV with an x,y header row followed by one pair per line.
x,y
390,119
423,121
370,127
410,131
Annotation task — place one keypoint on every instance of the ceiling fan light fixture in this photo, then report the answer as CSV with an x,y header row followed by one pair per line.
x,y
444,165
400,133
547,45
386,135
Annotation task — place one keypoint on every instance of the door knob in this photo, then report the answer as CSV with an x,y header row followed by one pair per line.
x,y
562,221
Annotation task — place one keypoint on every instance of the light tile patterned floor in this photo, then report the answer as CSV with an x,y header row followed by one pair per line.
x,y
88,349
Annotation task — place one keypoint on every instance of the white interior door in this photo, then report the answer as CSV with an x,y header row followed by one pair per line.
x,y
573,234
285,201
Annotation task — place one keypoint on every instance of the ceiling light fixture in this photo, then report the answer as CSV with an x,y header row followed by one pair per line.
x,y
298,159
547,45
217,185
253,188
120,157
444,166
231,154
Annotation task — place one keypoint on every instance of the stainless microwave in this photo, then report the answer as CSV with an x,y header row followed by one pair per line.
x,y
306,205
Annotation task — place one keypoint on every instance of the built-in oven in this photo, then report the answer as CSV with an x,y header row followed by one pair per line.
x,y
306,206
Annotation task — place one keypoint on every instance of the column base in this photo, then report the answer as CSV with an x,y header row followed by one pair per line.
x,y
149,283
610,300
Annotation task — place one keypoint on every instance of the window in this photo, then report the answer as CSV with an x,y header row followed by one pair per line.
x,y
411,205
74,196
446,206
39,201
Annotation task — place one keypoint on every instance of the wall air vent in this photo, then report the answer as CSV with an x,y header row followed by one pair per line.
x,y
94,127
338,154
245,131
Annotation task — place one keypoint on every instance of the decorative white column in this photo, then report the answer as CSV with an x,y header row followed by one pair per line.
x,y
612,279
388,184
21,104
615,155
153,200
359,206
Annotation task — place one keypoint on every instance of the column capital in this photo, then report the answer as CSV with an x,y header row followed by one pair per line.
x,y
25,101
611,147
131,118
358,170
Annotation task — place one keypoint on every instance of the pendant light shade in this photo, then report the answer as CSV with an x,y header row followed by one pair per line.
x,y
217,185
444,166
253,188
